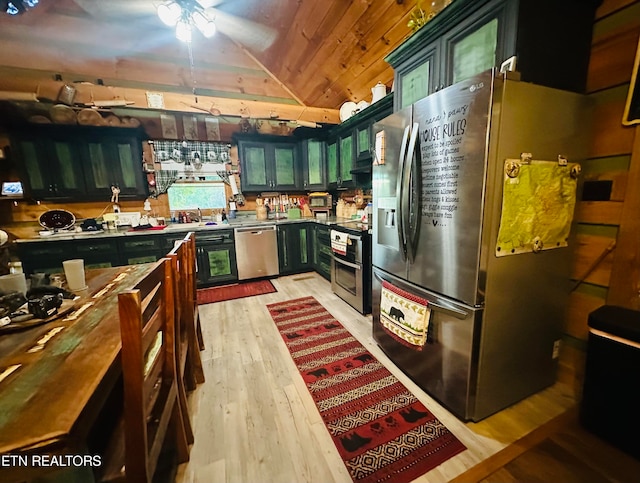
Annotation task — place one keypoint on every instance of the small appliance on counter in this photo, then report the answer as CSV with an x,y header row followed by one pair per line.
x,y
320,203
55,220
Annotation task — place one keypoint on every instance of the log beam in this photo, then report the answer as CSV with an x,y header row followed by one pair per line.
x,y
173,101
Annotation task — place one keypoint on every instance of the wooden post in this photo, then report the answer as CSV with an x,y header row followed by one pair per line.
x,y
624,287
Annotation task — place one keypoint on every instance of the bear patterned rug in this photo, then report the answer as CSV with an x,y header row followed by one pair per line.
x,y
381,430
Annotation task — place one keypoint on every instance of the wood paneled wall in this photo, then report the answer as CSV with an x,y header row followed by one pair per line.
x,y
606,264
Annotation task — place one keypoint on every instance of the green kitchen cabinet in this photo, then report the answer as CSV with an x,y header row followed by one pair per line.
x,y
216,258
321,250
332,162
47,256
295,248
340,160
114,161
97,253
314,172
79,163
364,143
269,163
141,249
51,167
347,155
350,147
472,36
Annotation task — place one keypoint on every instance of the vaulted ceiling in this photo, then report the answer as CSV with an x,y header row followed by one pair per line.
x,y
287,58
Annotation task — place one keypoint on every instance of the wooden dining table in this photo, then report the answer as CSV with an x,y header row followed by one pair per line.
x,y
56,377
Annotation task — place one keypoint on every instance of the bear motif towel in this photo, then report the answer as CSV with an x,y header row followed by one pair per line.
x,y
404,316
339,242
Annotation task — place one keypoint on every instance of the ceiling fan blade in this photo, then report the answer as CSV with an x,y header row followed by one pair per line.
x,y
249,34
117,8
210,3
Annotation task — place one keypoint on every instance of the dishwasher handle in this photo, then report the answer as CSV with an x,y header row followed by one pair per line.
x,y
254,230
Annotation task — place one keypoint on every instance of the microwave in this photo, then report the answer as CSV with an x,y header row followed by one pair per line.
x,y
320,202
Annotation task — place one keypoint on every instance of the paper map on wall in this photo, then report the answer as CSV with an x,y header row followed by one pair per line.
x,y
538,200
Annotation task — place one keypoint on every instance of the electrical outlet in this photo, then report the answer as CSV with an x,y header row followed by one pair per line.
x,y
556,349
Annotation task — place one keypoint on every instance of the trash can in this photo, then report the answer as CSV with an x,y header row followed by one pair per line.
x,y
611,397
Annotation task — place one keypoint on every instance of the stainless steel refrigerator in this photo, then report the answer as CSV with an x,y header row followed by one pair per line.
x,y
444,232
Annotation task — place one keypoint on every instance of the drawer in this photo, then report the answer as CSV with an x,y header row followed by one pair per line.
x,y
326,250
141,244
46,249
105,246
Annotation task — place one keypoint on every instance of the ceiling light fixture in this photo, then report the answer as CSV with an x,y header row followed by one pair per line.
x,y
183,15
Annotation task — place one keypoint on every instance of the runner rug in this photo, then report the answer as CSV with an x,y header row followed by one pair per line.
x,y
235,291
381,430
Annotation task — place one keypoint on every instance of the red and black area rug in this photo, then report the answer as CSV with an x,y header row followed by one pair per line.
x,y
235,291
382,431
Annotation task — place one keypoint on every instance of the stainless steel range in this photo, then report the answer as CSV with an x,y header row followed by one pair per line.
x,y
351,265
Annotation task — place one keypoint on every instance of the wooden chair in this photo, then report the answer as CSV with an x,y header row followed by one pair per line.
x,y
183,262
184,328
151,405
192,267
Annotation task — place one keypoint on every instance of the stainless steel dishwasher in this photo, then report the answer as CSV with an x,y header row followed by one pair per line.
x,y
257,251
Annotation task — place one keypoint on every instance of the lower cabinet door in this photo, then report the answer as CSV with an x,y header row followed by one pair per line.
x,y
294,248
216,264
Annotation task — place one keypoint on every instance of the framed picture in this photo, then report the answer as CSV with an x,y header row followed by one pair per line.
x,y
213,128
190,126
155,100
169,129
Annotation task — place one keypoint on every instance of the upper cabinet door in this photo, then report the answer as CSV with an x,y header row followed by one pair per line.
x,y
269,164
332,162
419,77
363,141
69,171
115,162
480,42
255,174
347,150
284,164
313,165
51,168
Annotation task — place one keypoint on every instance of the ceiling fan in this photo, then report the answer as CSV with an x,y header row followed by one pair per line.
x,y
222,14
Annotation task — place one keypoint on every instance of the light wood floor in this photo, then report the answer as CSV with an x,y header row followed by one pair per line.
x,y
255,421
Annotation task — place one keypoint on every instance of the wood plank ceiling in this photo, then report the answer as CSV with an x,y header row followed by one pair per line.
x,y
301,58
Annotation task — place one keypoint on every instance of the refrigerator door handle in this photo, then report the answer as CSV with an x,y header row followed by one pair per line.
x,y
406,193
453,311
458,314
399,194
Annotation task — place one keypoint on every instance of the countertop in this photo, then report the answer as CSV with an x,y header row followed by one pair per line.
x,y
181,227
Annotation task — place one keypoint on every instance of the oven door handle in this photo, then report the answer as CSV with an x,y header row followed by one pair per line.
x,y
348,264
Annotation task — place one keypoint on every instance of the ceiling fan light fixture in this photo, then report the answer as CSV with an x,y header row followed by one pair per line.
x,y
170,13
16,7
204,24
183,31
